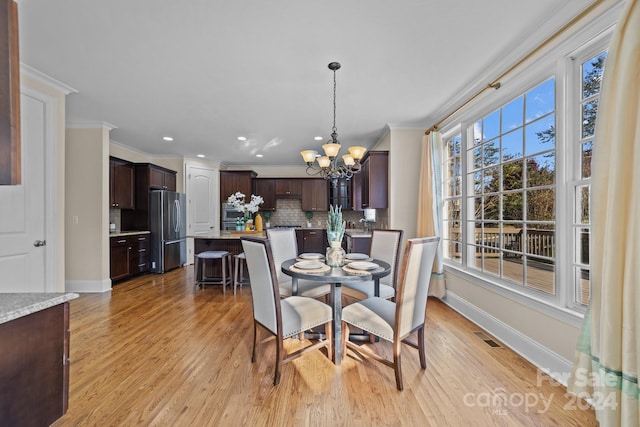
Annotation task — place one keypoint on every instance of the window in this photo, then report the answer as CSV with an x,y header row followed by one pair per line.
x,y
516,191
590,71
511,198
452,195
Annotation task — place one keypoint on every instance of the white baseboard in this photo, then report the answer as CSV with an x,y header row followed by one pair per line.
x,y
544,359
88,285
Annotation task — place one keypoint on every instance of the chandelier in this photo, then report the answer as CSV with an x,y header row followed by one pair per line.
x,y
327,166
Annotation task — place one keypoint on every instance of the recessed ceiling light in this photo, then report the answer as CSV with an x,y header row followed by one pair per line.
x,y
167,138
242,138
200,155
259,155
318,138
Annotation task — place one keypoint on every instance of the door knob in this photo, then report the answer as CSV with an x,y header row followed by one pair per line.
x,y
39,243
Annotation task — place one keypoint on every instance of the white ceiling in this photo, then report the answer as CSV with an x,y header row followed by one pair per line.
x,y
206,72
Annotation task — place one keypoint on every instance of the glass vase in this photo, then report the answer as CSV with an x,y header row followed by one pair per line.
x,y
335,255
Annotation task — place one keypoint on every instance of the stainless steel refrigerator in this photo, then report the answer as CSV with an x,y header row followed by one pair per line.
x,y
167,220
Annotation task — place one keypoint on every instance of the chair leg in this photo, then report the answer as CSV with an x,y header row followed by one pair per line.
x,y
328,335
396,364
421,350
345,336
236,261
255,341
279,356
224,275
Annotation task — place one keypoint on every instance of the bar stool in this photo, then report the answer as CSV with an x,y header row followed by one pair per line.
x,y
239,261
201,263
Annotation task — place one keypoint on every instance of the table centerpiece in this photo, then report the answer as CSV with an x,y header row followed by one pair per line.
x,y
335,255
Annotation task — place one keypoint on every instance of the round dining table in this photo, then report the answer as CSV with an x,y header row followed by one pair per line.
x,y
336,276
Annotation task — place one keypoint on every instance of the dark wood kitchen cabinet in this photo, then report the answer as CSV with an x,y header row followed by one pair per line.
x,y
371,184
129,255
34,367
233,181
161,178
288,188
266,188
315,195
147,177
341,194
154,177
313,240
121,184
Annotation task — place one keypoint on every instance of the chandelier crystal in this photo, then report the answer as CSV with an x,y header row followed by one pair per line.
x,y
327,166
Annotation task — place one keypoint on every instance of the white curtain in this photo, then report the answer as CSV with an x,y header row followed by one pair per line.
x,y
430,204
608,352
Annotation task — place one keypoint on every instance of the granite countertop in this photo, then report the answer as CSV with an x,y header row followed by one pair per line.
x,y
357,233
13,306
127,233
226,235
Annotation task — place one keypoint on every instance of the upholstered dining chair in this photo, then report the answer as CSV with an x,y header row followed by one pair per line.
x,y
281,318
395,320
285,246
385,246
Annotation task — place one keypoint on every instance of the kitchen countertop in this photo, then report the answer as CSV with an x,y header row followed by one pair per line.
x,y
127,233
226,235
357,233
14,306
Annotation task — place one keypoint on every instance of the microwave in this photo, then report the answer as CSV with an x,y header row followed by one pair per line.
x,y
230,214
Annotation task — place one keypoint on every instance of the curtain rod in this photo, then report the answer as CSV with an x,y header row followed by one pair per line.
x,y
496,82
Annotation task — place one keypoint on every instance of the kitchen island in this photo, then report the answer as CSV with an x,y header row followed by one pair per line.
x,y
34,357
223,241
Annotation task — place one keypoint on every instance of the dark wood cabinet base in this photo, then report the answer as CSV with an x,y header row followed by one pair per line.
x,y
34,369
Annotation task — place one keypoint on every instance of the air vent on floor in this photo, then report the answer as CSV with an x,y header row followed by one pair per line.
x,y
487,339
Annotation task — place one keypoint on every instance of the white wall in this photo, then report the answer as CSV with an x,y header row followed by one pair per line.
x,y
87,209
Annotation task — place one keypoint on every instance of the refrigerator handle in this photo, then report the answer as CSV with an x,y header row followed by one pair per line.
x,y
176,205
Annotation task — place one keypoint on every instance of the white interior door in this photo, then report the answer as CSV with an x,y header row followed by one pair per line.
x,y
203,198
22,209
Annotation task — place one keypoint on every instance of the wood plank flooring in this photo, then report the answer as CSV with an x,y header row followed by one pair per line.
x,y
153,352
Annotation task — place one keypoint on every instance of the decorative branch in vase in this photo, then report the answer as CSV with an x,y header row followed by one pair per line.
x,y
335,232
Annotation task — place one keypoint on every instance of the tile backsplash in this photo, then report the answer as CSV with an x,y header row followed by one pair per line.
x,y
289,212
114,218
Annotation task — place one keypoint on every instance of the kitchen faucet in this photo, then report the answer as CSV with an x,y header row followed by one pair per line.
x,y
367,224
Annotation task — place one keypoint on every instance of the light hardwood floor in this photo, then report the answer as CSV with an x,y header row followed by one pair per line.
x,y
153,352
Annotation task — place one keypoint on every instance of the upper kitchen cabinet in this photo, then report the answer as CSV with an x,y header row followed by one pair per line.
x,y
161,178
371,184
288,188
315,195
341,194
266,188
121,184
233,181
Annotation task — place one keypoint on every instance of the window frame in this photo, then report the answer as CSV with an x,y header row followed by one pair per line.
x,y
561,63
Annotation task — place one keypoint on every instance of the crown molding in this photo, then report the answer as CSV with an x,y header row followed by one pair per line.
x,y
45,79
90,125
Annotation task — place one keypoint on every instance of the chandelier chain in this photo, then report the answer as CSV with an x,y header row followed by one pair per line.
x,y
334,102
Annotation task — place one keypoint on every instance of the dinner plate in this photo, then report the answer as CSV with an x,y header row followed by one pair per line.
x,y
311,256
357,256
308,265
362,265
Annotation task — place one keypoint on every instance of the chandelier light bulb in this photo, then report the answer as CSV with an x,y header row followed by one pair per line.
x,y
331,150
309,156
324,162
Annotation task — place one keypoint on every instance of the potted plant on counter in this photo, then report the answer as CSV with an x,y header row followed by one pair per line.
x,y
309,215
